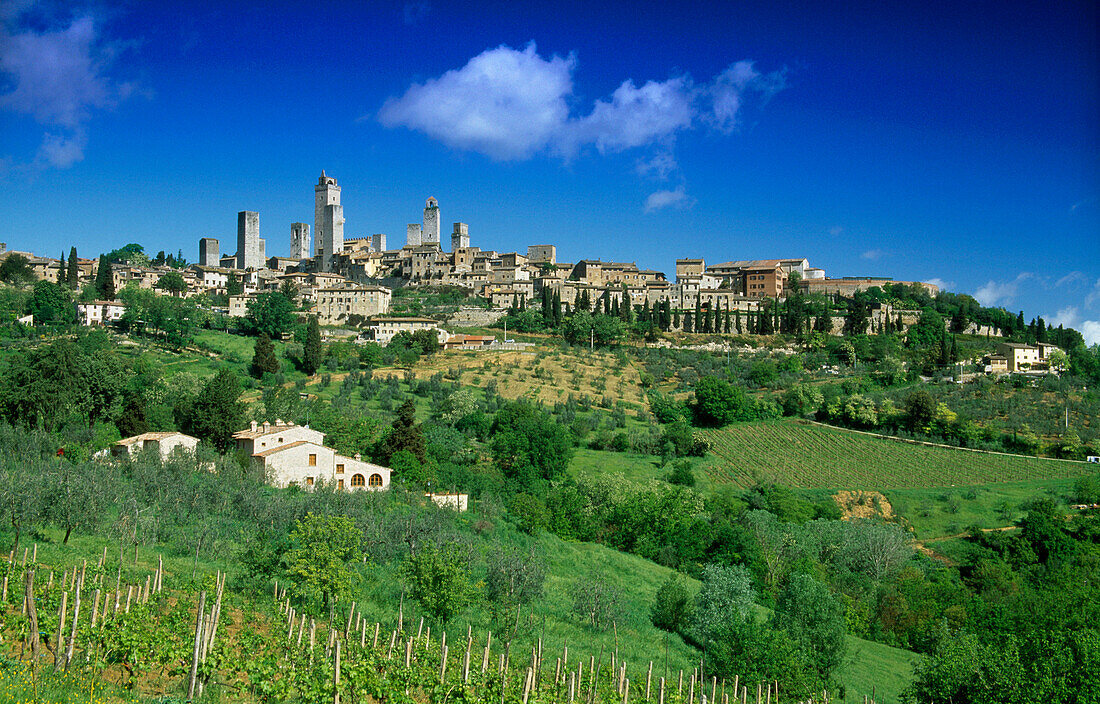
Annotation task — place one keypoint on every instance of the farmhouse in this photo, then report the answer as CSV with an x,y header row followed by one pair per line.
x,y
100,312
163,443
294,455
382,330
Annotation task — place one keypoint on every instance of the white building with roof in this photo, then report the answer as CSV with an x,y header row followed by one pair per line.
x,y
294,455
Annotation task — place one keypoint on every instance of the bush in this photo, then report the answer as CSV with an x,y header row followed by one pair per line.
x,y
672,606
681,474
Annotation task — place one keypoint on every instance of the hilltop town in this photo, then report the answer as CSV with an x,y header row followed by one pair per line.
x,y
344,280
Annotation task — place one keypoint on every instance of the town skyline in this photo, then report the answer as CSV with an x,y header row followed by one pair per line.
x,y
964,155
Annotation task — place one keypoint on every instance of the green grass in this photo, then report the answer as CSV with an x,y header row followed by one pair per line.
x,y
814,456
936,512
876,668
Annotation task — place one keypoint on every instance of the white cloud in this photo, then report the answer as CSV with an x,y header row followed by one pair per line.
x,y
1094,295
1071,277
872,254
660,165
835,230
941,284
62,151
511,105
664,199
1070,317
504,103
634,117
995,293
58,77
1090,330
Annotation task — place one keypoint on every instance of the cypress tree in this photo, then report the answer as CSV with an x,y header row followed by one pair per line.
x,y
264,359
62,273
104,281
737,320
311,359
556,308
688,323
726,327
73,278
676,319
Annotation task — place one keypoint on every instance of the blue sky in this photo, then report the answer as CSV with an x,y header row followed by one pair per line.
x,y
952,142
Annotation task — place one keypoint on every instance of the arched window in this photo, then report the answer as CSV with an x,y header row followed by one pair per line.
x,y
357,480
376,480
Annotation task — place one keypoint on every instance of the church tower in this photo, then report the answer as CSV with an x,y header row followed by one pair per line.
x,y
328,221
431,222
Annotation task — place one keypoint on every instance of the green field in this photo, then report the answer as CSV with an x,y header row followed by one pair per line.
x,y
813,456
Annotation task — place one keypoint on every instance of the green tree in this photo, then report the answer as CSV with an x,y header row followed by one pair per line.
x,y
319,562
311,357
815,619
216,413
513,580
104,280
72,276
672,605
263,358
173,283
271,314
920,409
77,496
528,444
16,269
718,403
405,434
233,285
726,594
50,304
438,578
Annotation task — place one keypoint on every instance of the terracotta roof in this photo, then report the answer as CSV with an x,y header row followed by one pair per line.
x,y
149,436
260,431
287,446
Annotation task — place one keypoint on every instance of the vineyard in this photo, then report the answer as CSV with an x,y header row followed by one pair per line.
x,y
90,634
813,456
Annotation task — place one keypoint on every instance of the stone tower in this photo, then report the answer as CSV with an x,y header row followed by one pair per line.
x,y
250,248
413,234
431,222
460,238
378,242
209,252
299,241
327,241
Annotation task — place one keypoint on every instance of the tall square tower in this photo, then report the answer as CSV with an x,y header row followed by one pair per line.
x,y
209,252
460,238
299,241
250,249
326,193
431,222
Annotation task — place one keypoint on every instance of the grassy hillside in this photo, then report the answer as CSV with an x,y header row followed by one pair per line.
x,y
813,456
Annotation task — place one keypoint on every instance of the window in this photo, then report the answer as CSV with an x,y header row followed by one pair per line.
x,y
357,480
340,484
339,469
309,481
312,460
375,480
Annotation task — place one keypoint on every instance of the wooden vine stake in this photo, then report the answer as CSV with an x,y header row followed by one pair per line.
x,y
32,615
336,677
198,646
59,646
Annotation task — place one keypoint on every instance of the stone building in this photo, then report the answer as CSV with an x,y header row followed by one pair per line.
x,y
431,223
335,305
299,241
328,224
460,238
209,252
295,455
250,248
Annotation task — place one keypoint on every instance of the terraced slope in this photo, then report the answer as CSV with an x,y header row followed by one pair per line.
x,y
814,456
